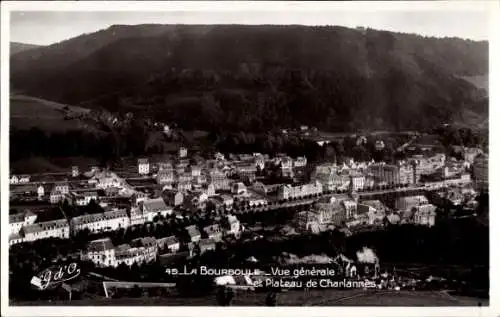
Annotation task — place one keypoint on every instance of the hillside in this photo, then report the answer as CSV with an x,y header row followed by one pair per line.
x,y
28,112
262,77
480,81
16,47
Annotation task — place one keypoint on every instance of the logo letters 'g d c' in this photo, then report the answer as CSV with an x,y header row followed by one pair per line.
x,y
55,275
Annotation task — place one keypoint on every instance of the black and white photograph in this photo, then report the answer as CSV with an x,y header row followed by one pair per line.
x,y
247,155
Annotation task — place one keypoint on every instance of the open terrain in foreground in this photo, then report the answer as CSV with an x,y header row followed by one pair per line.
x,y
30,112
354,297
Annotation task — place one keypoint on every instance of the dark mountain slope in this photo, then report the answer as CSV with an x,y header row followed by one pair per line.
x,y
16,47
261,77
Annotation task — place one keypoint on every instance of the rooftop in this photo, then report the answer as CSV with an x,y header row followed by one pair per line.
x,y
146,242
155,205
192,230
44,226
171,240
16,218
107,215
377,204
100,245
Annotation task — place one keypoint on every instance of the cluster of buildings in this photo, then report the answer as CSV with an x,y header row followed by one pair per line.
x,y
23,227
103,253
148,191
457,185
124,198
348,211
434,171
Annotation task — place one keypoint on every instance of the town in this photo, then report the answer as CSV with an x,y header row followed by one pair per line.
x,y
279,162
169,211
351,195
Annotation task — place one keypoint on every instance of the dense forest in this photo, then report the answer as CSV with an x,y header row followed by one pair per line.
x,y
256,78
137,139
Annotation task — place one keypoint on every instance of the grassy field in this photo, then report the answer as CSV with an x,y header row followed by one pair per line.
x,y
353,297
27,112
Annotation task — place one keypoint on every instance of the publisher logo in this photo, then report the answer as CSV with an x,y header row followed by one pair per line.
x,y
55,275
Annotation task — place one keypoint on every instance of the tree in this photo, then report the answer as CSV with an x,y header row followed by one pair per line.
x,y
136,291
224,296
271,299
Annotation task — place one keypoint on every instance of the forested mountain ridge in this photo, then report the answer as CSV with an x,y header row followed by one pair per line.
x,y
16,47
261,77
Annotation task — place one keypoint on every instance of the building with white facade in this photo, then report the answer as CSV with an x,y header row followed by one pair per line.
x,y
193,233
255,200
226,201
234,225
101,252
357,182
105,180
56,197
165,177
173,197
326,174
62,187
19,179
300,162
196,201
260,162
409,202
371,211
84,198
155,207
183,152
75,172
165,166
425,215
286,166
329,210
219,179
148,246
14,180
195,170
387,174
48,229
106,221
184,187
425,165
143,166
307,221
40,191
170,243
137,216
289,192
213,232
19,220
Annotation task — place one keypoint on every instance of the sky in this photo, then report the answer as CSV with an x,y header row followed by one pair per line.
x,y
48,27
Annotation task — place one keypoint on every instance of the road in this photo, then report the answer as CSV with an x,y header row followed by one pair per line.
x,y
277,206
398,298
